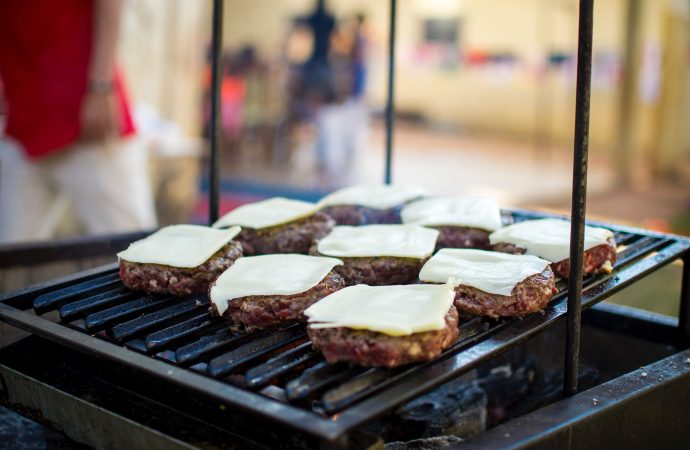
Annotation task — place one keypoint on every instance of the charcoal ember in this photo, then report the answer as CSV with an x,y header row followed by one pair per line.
x,y
506,385
457,408
548,389
425,444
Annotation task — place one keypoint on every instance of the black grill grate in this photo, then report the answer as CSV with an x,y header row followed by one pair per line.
x,y
279,366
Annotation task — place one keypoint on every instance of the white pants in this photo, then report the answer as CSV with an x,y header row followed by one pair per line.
x,y
107,186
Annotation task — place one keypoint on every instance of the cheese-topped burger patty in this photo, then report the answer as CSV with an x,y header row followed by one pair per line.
x,y
550,239
378,254
463,222
261,291
384,326
368,204
278,225
179,259
493,284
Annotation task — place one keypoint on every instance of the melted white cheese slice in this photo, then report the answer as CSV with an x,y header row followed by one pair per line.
x,y
267,213
547,238
492,272
473,212
284,274
403,241
183,246
393,310
378,196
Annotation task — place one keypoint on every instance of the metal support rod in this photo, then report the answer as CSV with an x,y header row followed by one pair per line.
x,y
391,93
216,77
684,315
579,196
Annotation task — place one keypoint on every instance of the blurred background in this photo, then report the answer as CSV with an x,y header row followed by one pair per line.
x,y
485,103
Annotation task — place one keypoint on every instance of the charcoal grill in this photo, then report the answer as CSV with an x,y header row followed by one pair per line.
x,y
274,378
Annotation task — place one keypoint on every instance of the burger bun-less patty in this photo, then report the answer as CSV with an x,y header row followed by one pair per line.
x,y
462,237
374,349
294,237
528,296
378,255
384,326
261,311
599,259
162,279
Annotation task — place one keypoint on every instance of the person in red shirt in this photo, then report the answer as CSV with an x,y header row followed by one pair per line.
x,y
67,136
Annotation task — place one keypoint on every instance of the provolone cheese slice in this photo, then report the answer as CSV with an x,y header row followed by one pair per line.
x,y
492,272
403,241
183,246
393,310
378,196
284,274
472,212
547,238
267,213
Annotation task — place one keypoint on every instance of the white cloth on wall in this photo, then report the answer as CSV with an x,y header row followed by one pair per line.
x,y
107,186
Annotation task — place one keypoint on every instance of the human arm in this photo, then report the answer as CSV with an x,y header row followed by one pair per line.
x,y
99,118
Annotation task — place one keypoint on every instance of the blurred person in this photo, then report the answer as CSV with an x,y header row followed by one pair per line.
x,y
67,119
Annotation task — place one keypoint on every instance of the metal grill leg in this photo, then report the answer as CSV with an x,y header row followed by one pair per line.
x,y
216,76
391,90
579,196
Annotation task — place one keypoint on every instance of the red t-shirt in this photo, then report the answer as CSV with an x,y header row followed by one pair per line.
x,y
45,49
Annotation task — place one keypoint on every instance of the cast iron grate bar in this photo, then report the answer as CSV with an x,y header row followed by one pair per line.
x,y
198,324
71,311
151,320
52,300
208,346
318,377
102,319
260,376
228,362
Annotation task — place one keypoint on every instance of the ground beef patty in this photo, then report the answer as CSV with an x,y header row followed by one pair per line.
x,y
293,237
373,349
159,279
528,296
376,270
462,237
595,259
259,311
362,215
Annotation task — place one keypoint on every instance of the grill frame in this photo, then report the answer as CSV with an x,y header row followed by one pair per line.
x,y
407,383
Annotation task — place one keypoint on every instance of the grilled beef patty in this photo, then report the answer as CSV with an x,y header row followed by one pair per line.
x,y
528,296
160,279
595,258
259,311
362,215
462,237
376,270
292,237
373,349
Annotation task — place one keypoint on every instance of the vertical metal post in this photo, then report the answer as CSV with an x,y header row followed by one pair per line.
x,y
579,195
391,92
684,316
216,77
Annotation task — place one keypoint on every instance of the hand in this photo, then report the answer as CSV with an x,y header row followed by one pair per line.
x,y
98,117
